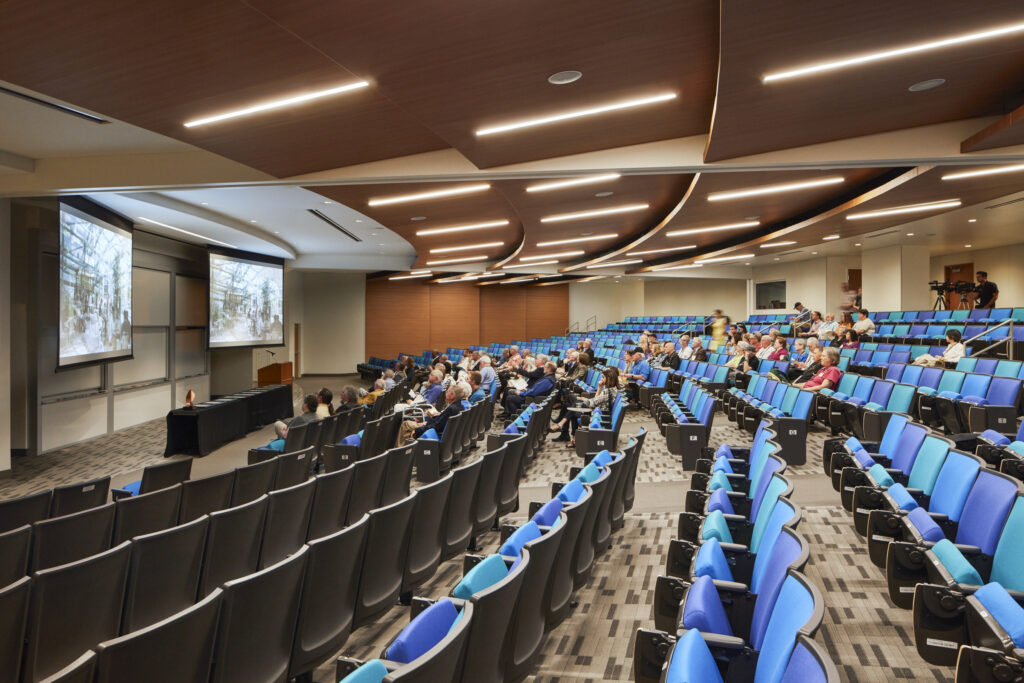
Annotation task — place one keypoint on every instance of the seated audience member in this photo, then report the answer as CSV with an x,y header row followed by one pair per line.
x,y
801,371
431,389
389,379
534,369
437,420
955,350
308,414
699,354
372,396
474,360
816,323
588,350
443,360
827,329
604,397
514,400
349,398
281,430
864,326
851,340
779,351
828,376
764,348
685,350
487,374
478,392
799,351
737,352
741,328
750,360
190,399
574,370
465,361
670,359
325,403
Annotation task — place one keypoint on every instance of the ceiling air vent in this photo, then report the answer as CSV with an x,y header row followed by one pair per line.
x,y
1012,201
334,224
881,234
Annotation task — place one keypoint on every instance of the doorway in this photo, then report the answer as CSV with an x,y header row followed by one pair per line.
x,y
296,339
959,271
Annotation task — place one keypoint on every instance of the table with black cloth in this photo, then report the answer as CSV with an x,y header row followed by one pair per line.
x,y
203,429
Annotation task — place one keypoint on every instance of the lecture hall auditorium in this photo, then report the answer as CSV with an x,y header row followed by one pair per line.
x,y
665,341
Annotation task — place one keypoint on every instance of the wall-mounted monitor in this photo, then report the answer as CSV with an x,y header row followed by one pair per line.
x,y
95,289
246,302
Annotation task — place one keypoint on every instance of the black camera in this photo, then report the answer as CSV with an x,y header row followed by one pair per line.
x,y
940,287
961,287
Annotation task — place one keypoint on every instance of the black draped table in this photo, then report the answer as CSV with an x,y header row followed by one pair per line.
x,y
203,429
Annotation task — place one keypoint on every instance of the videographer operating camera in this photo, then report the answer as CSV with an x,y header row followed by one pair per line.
x,y
986,293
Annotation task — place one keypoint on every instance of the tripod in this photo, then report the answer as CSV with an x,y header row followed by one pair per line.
x,y
940,302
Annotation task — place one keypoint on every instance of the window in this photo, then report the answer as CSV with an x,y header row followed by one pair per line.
x,y
770,295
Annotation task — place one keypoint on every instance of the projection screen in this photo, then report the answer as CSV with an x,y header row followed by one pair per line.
x,y
246,302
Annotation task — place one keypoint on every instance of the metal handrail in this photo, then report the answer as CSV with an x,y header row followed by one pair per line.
x,y
1008,340
575,327
592,320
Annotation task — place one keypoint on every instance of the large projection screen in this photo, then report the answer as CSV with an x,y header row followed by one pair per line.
x,y
246,302
95,289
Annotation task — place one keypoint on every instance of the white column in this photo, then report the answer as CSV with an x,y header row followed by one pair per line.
x,y
896,278
5,335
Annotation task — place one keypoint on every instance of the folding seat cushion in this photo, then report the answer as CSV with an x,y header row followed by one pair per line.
x,y
711,561
430,434
703,608
715,526
603,458
571,492
513,547
719,500
589,474
922,521
372,671
424,632
691,661
880,476
902,497
548,514
1004,609
955,563
719,481
353,439
485,574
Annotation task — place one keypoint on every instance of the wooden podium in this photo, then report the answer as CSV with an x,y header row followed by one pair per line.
x,y
275,373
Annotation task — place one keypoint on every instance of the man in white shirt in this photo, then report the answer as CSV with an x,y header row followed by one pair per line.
x,y
827,330
685,351
864,324
765,348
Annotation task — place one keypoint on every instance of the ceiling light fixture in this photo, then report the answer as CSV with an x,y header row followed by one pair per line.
x,y
985,171
910,234
929,84
911,208
660,251
714,228
433,194
774,189
857,244
828,238
591,278
467,259
972,220
719,259
467,247
603,194
565,77
531,264
577,113
563,254
894,52
613,264
784,243
555,243
967,246
461,228
578,215
587,180
410,276
515,280
278,104
181,230
686,267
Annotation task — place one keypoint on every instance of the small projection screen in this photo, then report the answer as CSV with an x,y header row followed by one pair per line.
x,y
246,302
95,289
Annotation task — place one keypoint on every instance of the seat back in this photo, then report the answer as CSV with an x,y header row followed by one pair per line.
x,y
585,552
957,475
928,463
203,496
367,484
25,510
426,532
387,544
485,499
14,602
145,655
397,473
847,384
257,623
330,502
809,663
880,393
985,366
900,399
14,554
789,551
492,619
233,543
328,596
951,381
78,497
930,377
296,439
778,487
146,513
64,620
975,385
460,516
1007,368
156,477
287,522
863,388
986,509
508,480
71,537
444,660
163,573
1008,557
908,447
1003,391
253,481
293,468
798,610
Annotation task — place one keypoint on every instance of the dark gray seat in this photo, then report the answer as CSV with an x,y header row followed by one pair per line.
x,y
444,661
287,523
334,457
14,554
294,468
397,474
632,452
387,543
14,601
561,588
71,537
163,573
329,592
73,607
427,533
367,482
233,544
253,481
146,513
202,496
330,502
257,623
25,510
460,517
485,499
156,477
80,496
179,648
493,609
511,468
603,521
82,670
585,552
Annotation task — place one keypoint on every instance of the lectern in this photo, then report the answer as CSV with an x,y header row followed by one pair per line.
x,y
275,373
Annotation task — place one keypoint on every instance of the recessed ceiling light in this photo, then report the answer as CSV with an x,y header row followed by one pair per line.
x,y
327,202
410,276
573,182
433,194
927,85
467,259
466,247
869,57
814,253
380,244
912,208
784,243
718,259
857,244
777,258
746,264
713,228
460,228
205,203
532,264
573,240
660,251
565,77
277,232
828,238
602,195
625,208
686,267
972,220
278,104
985,171
359,220
373,233
252,220
564,254
774,189
967,246
187,232
612,264
578,113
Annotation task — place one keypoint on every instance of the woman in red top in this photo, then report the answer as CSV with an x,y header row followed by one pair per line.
x,y
779,352
829,375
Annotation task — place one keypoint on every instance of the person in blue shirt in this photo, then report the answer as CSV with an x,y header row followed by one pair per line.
x,y
542,387
799,352
281,430
431,391
478,391
638,370
487,374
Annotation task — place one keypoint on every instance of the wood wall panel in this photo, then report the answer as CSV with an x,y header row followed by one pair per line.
x,y
454,315
547,311
397,318
502,313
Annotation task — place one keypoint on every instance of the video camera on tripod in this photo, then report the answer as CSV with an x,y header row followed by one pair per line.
x,y
942,288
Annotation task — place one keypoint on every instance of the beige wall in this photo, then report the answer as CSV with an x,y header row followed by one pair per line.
x,y
333,322
805,282
610,300
694,296
1003,266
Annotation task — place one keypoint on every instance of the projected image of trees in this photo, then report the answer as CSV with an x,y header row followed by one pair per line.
x,y
95,289
245,302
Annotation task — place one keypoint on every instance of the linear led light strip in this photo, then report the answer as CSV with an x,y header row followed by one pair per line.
x,y
894,52
625,208
719,259
461,228
577,113
590,278
984,172
592,238
467,259
612,264
411,276
277,104
912,208
783,243
516,280
692,265
193,234
531,265
563,254
433,194
467,247
660,251
773,189
587,180
714,228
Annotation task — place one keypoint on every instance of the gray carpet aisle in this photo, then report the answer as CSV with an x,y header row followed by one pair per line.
x,y
868,638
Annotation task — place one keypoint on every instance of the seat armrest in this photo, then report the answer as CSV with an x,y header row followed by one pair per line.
x,y
722,642
731,586
469,561
118,494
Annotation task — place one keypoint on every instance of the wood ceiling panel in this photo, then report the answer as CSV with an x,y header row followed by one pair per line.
x,y
157,64
460,66
759,38
1008,130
